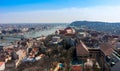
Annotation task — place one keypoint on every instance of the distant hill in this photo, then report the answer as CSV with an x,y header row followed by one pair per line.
x,y
113,28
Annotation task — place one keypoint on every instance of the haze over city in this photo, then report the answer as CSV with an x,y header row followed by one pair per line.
x,y
59,35
58,11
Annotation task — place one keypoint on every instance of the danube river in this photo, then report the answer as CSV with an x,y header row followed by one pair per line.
x,y
33,34
45,32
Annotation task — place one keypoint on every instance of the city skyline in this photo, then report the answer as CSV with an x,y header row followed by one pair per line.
x,y
58,11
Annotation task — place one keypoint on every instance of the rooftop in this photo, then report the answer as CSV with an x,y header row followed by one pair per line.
x,y
1,63
106,48
81,49
76,68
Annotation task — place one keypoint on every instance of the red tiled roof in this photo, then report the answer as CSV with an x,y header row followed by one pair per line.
x,y
76,68
1,63
106,48
62,31
81,50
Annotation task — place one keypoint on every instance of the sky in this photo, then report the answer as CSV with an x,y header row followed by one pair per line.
x,y
58,11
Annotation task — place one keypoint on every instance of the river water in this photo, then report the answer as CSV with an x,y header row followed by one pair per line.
x,y
33,34
45,32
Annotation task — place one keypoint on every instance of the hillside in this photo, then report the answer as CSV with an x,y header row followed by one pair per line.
x,y
98,26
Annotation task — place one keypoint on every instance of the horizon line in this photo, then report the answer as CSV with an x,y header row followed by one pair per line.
x,y
61,22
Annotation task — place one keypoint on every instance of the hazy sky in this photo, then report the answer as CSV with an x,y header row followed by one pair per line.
x,y
57,11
